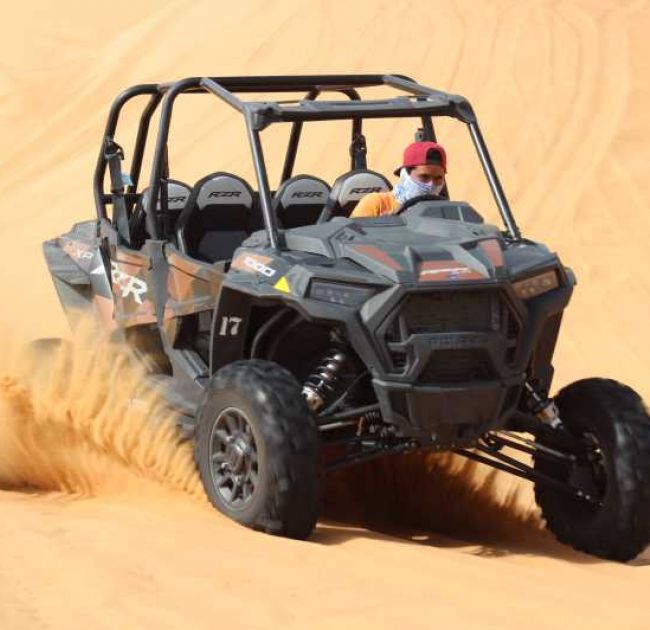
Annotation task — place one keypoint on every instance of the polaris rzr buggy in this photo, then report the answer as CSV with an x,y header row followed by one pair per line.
x,y
294,340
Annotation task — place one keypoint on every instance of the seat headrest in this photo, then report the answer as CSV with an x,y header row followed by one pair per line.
x,y
223,189
301,190
353,186
177,194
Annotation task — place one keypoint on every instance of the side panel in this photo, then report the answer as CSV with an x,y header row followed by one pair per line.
x,y
133,299
192,287
80,273
229,328
121,290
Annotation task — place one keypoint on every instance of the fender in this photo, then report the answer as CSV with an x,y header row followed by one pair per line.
x,y
230,323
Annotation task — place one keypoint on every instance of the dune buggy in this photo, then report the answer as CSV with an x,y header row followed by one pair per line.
x,y
293,340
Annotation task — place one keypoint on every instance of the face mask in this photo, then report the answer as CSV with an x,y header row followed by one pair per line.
x,y
408,188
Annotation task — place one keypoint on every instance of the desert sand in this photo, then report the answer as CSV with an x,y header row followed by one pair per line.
x,y
115,531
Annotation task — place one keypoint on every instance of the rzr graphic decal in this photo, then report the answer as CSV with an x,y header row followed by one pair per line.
x,y
366,190
133,300
307,195
127,284
218,194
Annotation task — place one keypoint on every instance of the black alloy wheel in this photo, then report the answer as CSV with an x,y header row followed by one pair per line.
x,y
258,449
233,452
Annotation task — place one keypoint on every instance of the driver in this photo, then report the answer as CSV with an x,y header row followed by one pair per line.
x,y
422,173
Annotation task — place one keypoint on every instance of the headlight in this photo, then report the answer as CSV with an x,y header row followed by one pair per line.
x,y
344,294
536,285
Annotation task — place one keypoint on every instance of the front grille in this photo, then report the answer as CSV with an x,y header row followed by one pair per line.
x,y
476,311
455,366
453,320
399,360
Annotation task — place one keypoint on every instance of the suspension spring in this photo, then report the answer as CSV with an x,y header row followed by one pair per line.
x,y
543,407
324,383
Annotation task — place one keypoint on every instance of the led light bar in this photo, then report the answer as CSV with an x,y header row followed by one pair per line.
x,y
343,294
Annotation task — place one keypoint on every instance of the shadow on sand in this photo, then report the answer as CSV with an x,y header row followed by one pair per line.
x,y
441,501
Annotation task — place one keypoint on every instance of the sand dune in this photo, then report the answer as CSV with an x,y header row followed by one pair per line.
x,y
116,531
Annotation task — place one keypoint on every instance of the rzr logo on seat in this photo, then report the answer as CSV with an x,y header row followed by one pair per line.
x,y
302,195
176,199
225,193
366,190
256,265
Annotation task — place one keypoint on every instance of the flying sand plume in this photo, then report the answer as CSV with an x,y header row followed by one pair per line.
x,y
82,422
441,493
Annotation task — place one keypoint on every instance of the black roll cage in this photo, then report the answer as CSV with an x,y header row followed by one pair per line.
x,y
418,101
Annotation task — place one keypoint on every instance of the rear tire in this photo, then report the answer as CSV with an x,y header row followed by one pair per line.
x,y
258,449
612,418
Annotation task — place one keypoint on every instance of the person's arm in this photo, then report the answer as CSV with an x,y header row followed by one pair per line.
x,y
369,206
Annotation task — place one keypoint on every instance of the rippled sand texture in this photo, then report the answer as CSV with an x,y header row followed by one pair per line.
x,y
103,523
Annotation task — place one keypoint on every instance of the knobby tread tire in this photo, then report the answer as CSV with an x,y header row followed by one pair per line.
x,y
292,475
620,528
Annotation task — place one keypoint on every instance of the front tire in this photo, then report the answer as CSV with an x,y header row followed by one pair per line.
x,y
258,449
613,424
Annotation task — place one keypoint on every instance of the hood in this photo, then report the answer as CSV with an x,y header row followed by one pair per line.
x,y
439,242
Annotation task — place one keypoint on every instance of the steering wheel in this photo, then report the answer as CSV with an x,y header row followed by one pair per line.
x,y
409,203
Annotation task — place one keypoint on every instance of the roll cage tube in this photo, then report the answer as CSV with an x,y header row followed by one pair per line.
x,y
493,179
294,140
296,132
109,132
160,150
141,139
262,181
424,103
357,130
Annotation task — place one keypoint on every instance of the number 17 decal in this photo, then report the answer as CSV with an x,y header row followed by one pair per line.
x,y
230,326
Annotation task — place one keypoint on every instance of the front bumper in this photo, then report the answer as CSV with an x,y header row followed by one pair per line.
x,y
448,416
454,362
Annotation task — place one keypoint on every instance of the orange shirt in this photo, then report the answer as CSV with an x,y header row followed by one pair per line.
x,y
376,205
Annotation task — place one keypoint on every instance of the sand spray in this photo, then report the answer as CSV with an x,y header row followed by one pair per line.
x,y
79,419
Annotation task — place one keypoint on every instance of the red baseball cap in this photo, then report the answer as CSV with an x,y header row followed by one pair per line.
x,y
421,153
